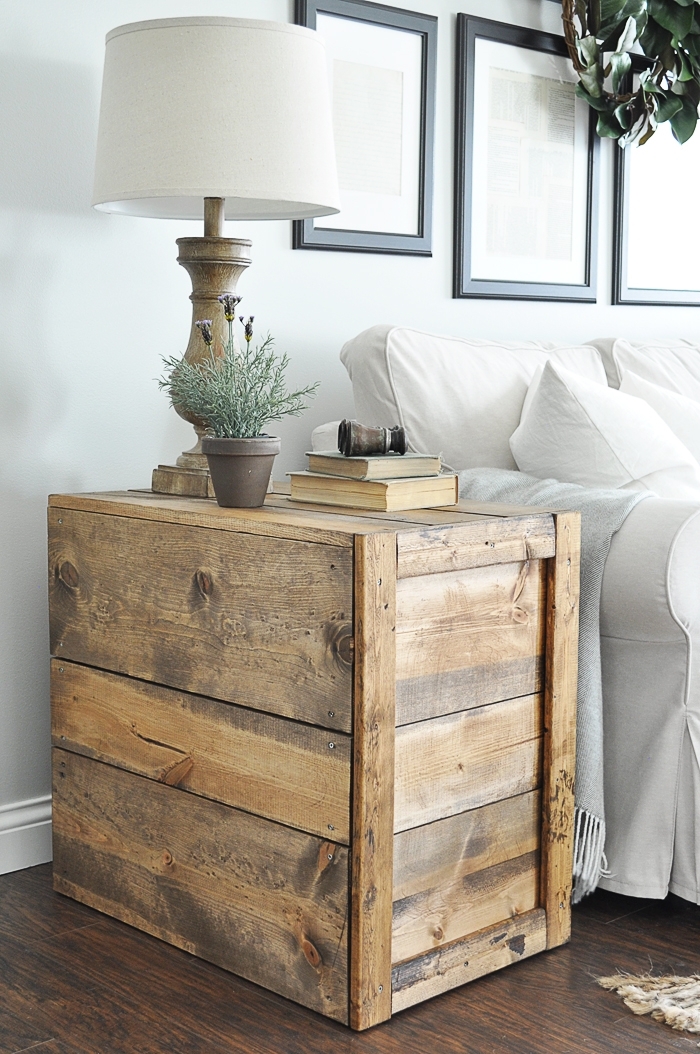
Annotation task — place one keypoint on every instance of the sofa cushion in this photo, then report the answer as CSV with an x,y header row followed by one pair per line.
x,y
581,432
461,398
681,414
673,364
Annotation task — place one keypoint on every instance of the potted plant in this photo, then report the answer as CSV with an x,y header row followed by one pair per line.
x,y
233,393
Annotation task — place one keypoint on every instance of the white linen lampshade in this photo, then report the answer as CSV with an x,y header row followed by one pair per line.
x,y
215,107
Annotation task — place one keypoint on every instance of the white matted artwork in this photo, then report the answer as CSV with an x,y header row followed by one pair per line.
x,y
381,72
526,168
656,261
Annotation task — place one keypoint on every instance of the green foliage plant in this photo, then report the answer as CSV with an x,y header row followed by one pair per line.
x,y
234,392
600,36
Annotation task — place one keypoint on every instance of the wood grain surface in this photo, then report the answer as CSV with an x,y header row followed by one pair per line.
x,y
467,638
438,855
264,901
373,779
280,769
465,960
465,760
560,727
434,917
475,543
255,621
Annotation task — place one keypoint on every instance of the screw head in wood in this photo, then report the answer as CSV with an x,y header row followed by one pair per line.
x,y
331,827
330,856
381,988
331,713
331,746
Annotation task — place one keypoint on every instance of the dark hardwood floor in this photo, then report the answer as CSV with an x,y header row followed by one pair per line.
x,y
75,982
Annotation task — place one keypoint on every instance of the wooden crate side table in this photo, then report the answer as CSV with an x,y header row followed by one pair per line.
x,y
330,752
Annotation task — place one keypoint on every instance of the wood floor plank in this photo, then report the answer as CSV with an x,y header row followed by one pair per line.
x,y
30,911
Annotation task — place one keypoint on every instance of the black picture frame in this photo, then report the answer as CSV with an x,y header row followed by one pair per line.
x,y
304,234
469,29
622,292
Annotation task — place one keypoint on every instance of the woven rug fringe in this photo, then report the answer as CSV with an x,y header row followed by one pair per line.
x,y
673,1000
589,855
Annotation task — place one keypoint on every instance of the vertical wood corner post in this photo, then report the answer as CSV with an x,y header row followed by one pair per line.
x,y
374,705
561,674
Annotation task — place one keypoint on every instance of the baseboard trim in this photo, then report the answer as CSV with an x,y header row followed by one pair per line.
x,y
25,834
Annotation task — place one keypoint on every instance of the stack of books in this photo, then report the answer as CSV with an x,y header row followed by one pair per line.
x,y
381,483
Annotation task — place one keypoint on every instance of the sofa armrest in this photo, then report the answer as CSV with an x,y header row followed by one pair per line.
x,y
651,583
325,437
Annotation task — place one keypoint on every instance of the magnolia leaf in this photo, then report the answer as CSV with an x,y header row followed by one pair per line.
x,y
608,126
623,115
676,19
615,14
592,80
589,51
628,36
668,107
621,65
596,103
683,123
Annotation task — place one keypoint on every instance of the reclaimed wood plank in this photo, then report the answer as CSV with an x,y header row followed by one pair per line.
x,y
465,760
255,621
264,901
428,920
434,899
476,543
467,638
561,680
373,779
465,960
328,528
280,769
438,854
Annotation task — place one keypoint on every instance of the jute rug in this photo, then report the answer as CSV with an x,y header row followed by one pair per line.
x,y
673,1000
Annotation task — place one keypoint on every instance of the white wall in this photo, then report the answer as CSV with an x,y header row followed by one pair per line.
x,y
89,303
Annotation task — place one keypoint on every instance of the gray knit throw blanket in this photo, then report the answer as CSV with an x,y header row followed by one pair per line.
x,y
602,514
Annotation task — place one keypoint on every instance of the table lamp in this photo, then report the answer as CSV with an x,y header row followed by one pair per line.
x,y
220,118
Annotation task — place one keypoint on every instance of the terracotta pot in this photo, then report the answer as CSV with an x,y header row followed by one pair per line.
x,y
240,469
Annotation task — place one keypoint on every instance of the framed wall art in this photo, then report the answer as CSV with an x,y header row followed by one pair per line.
x,y
526,168
381,69
657,227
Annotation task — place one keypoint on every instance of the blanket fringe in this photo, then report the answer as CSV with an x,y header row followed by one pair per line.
x,y
589,855
673,1000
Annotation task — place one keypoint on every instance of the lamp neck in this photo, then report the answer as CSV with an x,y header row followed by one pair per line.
x,y
214,217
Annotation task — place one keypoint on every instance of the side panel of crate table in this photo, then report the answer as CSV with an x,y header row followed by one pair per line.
x,y
455,876
252,896
280,769
470,637
263,622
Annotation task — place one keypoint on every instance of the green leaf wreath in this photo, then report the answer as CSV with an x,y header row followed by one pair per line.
x,y
600,36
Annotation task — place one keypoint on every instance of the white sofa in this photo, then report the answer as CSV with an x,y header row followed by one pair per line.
x,y
464,398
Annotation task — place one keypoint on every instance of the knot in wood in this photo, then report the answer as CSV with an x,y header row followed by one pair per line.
x,y
69,575
166,858
205,582
311,953
438,933
343,643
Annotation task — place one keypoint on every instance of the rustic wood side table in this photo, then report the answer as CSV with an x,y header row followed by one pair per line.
x,y
332,753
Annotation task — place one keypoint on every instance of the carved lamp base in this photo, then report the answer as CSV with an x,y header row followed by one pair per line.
x,y
214,264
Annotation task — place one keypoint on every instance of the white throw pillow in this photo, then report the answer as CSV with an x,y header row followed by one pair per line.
x,y
578,431
673,364
681,414
461,398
